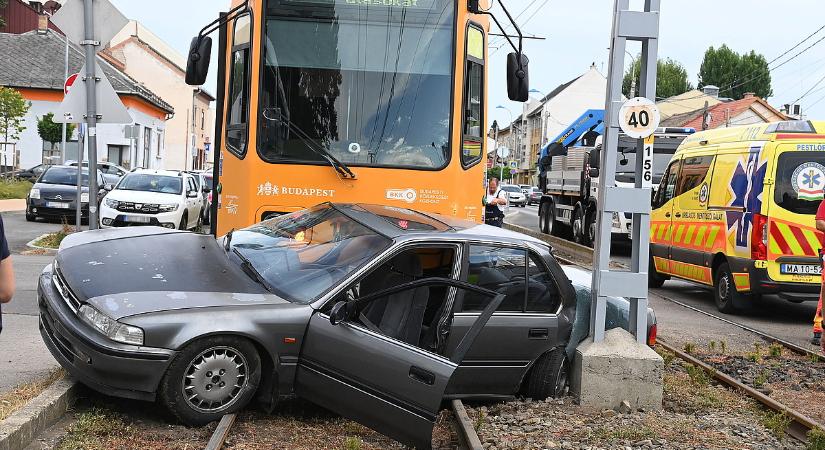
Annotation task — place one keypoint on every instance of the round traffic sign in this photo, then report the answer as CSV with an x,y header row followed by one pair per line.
x,y
69,82
639,117
503,152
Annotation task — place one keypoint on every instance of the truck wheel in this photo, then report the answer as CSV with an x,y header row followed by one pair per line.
x,y
590,227
725,294
579,227
548,378
544,217
552,229
211,377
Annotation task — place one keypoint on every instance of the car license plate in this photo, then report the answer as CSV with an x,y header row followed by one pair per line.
x,y
58,205
137,219
800,269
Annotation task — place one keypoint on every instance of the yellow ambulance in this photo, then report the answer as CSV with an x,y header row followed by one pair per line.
x,y
735,210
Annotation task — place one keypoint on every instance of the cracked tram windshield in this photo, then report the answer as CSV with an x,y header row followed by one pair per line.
x,y
371,86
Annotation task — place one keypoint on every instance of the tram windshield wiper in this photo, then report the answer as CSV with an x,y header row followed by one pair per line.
x,y
342,169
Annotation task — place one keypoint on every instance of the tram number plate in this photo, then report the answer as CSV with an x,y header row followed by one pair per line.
x,y
801,269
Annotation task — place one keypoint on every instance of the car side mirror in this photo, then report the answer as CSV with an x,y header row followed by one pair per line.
x,y
338,313
518,80
108,187
594,172
197,62
206,189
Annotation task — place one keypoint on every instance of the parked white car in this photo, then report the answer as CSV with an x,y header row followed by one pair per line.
x,y
164,198
514,195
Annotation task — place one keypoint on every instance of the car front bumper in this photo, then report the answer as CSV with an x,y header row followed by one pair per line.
x,y
39,208
108,367
110,217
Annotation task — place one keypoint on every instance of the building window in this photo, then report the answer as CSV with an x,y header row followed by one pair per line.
x,y
158,143
203,119
147,145
238,107
472,143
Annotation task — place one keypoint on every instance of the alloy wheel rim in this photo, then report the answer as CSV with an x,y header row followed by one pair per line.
x,y
214,379
724,287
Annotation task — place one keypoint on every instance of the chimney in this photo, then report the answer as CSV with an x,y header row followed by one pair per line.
x,y
748,95
711,90
42,23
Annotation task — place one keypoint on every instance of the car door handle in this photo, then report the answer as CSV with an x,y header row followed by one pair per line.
x,y
538,333
422,376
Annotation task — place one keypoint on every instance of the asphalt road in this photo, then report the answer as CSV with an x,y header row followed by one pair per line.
x,y
23,356
771,314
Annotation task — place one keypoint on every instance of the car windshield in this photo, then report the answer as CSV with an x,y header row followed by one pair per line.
x,y
301,255
511,189
151,183
64,175
368,81
800,181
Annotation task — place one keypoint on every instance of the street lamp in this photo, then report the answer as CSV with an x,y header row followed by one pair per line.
x,y
632,74
501,172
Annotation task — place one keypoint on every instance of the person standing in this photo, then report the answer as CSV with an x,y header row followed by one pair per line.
x,y
495,203
6,272
820,226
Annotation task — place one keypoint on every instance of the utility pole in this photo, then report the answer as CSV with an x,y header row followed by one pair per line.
x,y
89,45
63,127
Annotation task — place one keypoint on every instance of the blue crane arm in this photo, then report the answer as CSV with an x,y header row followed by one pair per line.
x,y
592,119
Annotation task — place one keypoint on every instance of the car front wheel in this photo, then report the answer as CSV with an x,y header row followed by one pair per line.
x,y
184,222
209,378
549,376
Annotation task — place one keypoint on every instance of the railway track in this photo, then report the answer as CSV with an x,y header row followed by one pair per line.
x,y
466,433
800,424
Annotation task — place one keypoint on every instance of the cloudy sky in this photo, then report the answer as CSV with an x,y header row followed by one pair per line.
x,y
577,34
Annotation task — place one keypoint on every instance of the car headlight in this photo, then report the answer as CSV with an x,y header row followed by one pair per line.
x,y
84,197
111,328
111,203
34,194
168,208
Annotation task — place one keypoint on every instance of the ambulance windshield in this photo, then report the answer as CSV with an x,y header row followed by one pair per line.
x,y
800,181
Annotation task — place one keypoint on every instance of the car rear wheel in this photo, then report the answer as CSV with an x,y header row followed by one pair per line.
x,y
549,376
725,294
209,378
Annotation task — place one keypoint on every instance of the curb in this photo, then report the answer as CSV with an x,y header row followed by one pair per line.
x,y
31,244
20,429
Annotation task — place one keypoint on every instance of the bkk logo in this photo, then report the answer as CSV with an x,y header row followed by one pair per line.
x,y
407,195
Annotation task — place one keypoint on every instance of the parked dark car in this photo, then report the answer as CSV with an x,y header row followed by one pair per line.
x,y
112,173
30,174
54,194
377,313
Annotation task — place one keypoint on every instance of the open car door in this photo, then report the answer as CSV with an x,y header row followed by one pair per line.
x,y
381,382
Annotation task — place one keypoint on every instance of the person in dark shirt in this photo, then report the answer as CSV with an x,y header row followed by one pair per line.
x,y
6,272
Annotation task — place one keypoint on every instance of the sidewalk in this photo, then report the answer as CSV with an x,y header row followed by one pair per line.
x,y
17,204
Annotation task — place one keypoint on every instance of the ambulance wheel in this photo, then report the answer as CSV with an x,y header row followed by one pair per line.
x,y
654,279
724,290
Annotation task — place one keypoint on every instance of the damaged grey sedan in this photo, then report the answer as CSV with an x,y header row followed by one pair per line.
x,y
374,312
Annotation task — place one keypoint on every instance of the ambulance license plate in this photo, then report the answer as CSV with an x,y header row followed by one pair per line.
x,y
800,269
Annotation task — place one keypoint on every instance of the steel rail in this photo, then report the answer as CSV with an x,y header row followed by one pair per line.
x,y
221,433
467,436
800,424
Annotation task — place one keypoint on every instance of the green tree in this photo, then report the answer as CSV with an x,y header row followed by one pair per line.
x,y
13,108
671,78
735,74
3,4
50,131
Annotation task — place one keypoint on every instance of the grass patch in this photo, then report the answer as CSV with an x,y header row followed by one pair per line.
x,y
776,423
53,240
92,428
14,189
21,395
613,433
816,440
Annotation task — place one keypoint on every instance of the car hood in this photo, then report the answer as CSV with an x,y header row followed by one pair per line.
x,y
138,270
143,196
68,192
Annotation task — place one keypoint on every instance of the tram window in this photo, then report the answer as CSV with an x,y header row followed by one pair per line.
x,y
473,98
238,111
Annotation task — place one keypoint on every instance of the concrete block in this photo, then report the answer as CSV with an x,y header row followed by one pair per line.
x,y
19,429
615,370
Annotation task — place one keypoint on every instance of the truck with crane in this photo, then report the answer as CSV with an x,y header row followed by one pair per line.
x,y
569,176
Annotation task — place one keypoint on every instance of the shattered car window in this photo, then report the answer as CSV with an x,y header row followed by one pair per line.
x,y
302,255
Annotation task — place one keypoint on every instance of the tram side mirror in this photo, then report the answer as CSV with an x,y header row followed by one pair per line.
x,y
197,63
518,80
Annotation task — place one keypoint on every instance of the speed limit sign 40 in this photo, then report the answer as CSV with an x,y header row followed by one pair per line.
x,y
639,117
